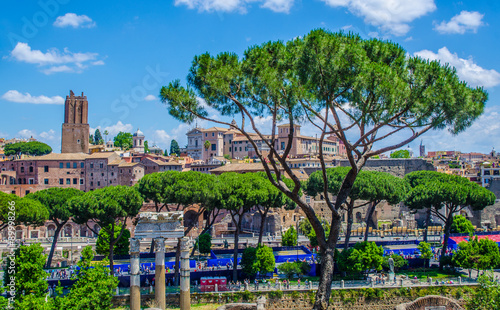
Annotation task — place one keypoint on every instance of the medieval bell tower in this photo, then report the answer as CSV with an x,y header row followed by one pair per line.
x,y
75,129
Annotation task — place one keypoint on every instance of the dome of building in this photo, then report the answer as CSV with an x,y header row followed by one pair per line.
x,y
138,133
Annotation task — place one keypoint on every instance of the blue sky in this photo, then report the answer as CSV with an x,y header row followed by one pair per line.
x,y
121,53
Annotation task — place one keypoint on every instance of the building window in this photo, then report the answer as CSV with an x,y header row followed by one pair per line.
x,y
81,181
110,182
101,165
46,181
74,165
31,181
91,174
102,174
22,169
98,183
206,134
212,134
45,168
68,165
31,169
26,192
78,141
229,149
213,147
91,165
91,183
82,165
112,173
61,181
68,181
61,165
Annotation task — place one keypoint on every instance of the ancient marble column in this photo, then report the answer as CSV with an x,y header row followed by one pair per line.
x,y
185,301
135,274
160,272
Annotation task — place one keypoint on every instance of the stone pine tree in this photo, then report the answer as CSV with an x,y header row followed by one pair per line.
x,y
109,207
336,82
239,193
446,195
370,188
21,211
275,199
56,200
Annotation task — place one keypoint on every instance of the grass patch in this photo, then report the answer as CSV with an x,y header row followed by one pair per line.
x,y
434,273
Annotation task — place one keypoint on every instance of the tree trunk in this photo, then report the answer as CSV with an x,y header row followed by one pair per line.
x,y
350,219
447,228
327,265
152,246
262,223
110,257
235,252
371,210
177,260
54,243
427,223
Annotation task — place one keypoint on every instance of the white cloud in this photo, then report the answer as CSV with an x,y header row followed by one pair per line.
x,y
162,137
280,6
150,98
48,135
467,70
390,16
26,133
53,60
15,96
477,138
75,21
113,130
461,23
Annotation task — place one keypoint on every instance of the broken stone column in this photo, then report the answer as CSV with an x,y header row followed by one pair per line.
x,y
185,302
135,274
160,272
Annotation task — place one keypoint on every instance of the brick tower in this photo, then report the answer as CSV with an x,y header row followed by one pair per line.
x,y
75,129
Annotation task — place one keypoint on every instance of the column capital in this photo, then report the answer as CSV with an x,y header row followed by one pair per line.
x,y
185,246
135,245
159,244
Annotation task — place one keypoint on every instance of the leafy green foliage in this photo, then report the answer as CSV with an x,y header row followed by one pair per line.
x,y
121,246
248,261
294,268
33,148
461,225
436,190
306,228
207,144
123,140
400,154
111,207
487,295
56,200
174,148
399,262
94,287
205,243
30,277
481,254
265,259
146,147
362,257
98,137
289,238
22,210
425,250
